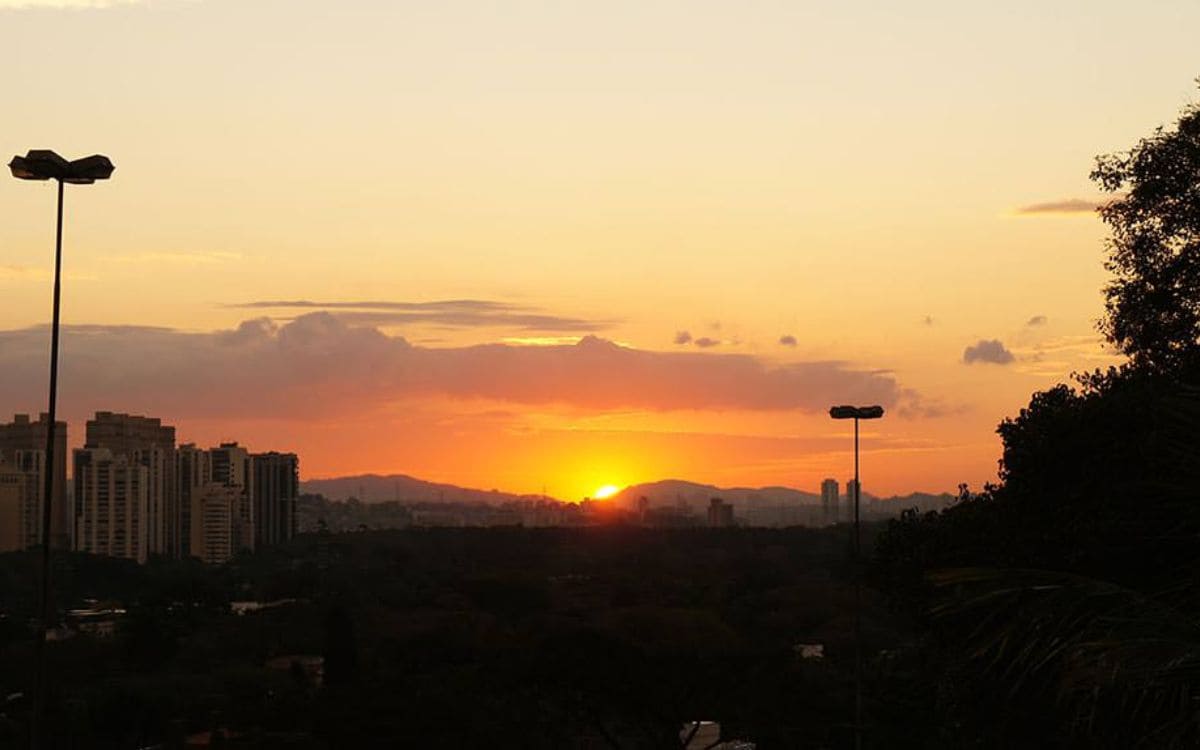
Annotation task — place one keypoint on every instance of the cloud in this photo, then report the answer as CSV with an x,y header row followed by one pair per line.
x,y
460,313
704,342
990,351
1064,354
540,340
1036,320
318,365
1066,206
683,337
928,320
787,340
911,403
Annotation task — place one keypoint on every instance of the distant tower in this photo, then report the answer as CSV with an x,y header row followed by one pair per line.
x,y
720,514
275,485
850,499
193,471
214,523
232,466
829,500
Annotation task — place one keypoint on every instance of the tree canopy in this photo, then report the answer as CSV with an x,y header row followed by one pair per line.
x,y
1153,301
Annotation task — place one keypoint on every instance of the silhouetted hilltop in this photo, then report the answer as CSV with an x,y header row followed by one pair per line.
x,y
376,488
674,491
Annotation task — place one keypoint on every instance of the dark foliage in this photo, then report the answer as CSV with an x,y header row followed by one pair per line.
x,y
548,638
1154,253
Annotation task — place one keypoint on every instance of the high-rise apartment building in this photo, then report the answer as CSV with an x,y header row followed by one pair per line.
x,y
850,490
13,519
112,498
231,466
23,447
193,470
829,500
275,486
32,465
146,442
136,495
213,525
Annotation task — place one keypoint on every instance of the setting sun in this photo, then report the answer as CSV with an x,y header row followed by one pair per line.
x,y
606,491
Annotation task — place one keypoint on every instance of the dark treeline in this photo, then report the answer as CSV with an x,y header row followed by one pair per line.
x,y
1067,594
556,638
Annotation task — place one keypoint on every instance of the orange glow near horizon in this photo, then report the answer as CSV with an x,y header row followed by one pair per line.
x,y
682,235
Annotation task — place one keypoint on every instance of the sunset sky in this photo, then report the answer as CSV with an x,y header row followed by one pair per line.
x,y
562,245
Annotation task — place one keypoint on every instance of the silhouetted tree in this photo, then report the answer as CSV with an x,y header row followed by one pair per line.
x,y
1066,594
1153,304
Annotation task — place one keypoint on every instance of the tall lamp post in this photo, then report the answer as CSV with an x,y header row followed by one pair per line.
x,y
45,165
857,413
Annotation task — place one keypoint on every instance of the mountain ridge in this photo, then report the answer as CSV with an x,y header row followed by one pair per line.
x,y
376,488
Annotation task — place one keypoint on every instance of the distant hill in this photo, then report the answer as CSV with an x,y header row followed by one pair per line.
x,y
696,496
922,500
673,491
376,488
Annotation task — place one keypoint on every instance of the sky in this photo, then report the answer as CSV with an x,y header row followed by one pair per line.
x,y
550,246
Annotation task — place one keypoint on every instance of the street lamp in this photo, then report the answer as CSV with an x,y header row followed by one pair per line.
x,y
42,165
857,413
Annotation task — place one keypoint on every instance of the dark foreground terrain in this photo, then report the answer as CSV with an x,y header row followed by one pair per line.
x,y
509,637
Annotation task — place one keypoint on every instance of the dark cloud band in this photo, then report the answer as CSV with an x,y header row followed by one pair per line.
x,y
320,364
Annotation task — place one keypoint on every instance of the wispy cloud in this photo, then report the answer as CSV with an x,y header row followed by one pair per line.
x,y
1066,206
682,338
787,340
1061,355
460,313
1036,320
704,342
319,365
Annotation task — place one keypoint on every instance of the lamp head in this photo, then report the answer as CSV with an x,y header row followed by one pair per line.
x,y
89,169
43,164
856,412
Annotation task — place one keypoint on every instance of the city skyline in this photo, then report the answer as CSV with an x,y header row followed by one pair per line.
x,y
134,493
714,240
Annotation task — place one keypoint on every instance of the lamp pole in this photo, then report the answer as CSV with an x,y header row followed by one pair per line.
x,y
857,413
46,165
44,615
